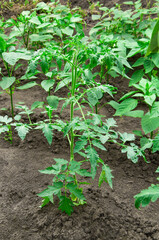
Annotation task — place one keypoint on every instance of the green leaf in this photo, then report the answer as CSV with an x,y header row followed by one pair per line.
x,y
47,131
95,17
55,189
35,20
155,146
148,65
106,176
12,57
74,167
84,173
145,143
80,144
147,195
127,137
132,152
127,95
139,62
5,119
92,98
22,130
40,38
66,205
93,157
51,170
149,99
155,59
60,161
149,124
68,31
75,190
53,101
97,144
4,129
114,104
27,85
45,201
104,138
7,82
136,77
135,114
37,104
137,133
3,45
126,106
47,84
154,42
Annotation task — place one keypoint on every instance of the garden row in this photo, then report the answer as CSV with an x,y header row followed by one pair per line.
x,y
51,41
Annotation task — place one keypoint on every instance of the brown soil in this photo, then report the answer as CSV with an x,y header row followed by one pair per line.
x,y
108,215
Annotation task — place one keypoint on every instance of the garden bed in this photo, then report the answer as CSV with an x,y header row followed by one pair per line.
x,y
109,214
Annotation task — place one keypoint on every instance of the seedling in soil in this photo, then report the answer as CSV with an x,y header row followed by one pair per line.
x,y
147,195
85,134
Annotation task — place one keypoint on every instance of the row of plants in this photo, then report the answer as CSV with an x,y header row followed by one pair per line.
x,y
51,41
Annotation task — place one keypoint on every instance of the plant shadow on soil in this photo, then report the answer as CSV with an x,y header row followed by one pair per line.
x,y
108,215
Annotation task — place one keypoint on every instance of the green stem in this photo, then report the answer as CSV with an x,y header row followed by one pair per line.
x,y
74,76
11,99
11,90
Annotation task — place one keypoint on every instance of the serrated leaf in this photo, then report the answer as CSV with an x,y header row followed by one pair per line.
x,y
93,157
45,201
60,161
127,137
66,205
80,144
47,131
106,176
84,173
146,196
74,166
55,189
104,138
5,119
22,130
51,170
7,82
98,145
75,190
145,143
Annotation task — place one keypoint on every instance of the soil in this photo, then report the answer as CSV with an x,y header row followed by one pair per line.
x,y
108,215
